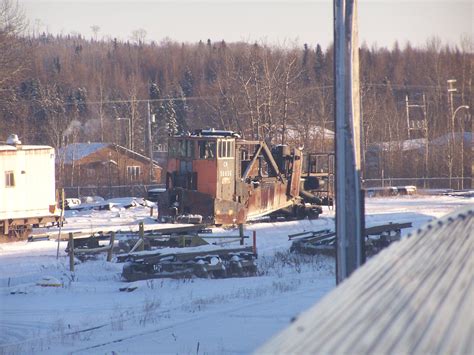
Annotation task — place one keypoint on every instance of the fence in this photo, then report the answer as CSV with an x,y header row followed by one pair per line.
x,y
142,190
109,191
455,183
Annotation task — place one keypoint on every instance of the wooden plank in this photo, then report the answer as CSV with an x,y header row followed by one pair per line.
x,y
93,250
414,297
386,228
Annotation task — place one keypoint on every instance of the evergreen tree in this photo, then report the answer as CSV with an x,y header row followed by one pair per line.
x,y
171,120
304,74
319,66
181,109
187,83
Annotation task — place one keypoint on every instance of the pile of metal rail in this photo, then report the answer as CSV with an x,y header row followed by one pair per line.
x,y
324,241
205,261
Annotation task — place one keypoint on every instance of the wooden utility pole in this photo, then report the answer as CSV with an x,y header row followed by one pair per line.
x,y
349,205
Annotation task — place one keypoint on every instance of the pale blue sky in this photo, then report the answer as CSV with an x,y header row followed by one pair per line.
x,y
381,22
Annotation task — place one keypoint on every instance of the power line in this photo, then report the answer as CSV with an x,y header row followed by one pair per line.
x,y
198,98
145,100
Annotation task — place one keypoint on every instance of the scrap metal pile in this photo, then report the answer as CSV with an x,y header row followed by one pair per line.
x,y
324,241
206,262
175,252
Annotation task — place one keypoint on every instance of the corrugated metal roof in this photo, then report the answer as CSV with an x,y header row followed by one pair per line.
x,y
415,297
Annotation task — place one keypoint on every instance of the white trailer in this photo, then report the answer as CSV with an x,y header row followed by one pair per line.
x,y
27,189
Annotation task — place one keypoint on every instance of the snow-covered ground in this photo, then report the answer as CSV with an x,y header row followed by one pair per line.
x,y
88,314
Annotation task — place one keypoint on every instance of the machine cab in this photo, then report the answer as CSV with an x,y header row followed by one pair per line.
x,y
203,165
227,180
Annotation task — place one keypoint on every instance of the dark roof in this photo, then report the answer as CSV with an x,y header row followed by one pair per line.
x,y
415,297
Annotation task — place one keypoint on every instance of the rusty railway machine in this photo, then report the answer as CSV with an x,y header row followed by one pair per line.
x,y
229,180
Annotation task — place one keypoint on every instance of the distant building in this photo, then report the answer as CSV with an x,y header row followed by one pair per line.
x,y
312,138
160,152
407,159
103,164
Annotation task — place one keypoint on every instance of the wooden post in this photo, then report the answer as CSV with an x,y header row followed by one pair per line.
x,y
61,219
254,246
151,211
141,232
71,252
111,246
241,233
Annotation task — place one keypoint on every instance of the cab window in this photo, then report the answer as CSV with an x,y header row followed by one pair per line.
x,y
207,149
173,148
181,148
226,149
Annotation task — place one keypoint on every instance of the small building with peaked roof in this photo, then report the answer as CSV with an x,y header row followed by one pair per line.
x,y
104,164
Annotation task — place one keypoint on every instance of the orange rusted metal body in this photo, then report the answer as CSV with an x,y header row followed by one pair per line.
x,y
228,180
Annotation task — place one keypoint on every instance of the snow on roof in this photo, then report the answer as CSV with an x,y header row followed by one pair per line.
x,y
141,156
410,144
419,143
7,147
444,139
314,131
77,151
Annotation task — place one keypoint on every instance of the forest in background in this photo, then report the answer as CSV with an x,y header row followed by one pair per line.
x,y
56,90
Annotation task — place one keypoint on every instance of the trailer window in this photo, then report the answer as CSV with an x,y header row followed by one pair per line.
x,y
9,179
133,172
